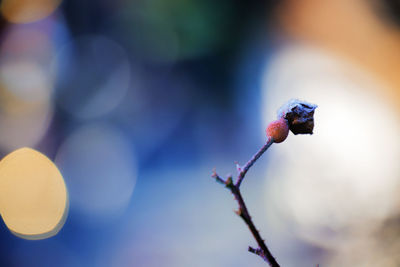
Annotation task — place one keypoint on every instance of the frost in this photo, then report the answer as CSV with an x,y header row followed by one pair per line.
x,y
300,116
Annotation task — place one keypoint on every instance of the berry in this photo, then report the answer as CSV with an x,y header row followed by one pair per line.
x,y
278,130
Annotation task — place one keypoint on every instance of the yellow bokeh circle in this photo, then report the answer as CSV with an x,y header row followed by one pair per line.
x,y
33,195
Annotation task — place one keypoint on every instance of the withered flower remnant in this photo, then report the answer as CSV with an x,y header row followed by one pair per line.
x,y
300,116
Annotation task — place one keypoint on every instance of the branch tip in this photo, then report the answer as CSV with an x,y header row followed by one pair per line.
x,y
217,177
238,168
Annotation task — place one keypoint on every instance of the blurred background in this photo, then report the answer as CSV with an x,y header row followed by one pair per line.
x,y
137,101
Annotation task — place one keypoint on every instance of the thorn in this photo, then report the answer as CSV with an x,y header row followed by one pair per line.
x,y
238,212
256,251
238,168
251,249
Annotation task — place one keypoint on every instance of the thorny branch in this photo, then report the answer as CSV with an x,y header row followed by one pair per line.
x,y
242,211
296,116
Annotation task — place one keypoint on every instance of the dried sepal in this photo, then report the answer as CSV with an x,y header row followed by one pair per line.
x,y
300,116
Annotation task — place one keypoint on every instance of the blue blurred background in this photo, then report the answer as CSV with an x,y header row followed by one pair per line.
x,y
137,101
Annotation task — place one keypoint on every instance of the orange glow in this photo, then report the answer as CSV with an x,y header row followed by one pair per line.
x,y
33,195
353,30
26,11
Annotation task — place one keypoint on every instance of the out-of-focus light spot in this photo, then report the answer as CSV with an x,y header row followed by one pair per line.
x,y
354,29
25,90
152,38
167,31
26,11
341,182
101,171
93,76
34,87
27,42
33,196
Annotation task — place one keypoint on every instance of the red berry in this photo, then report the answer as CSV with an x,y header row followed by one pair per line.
x,y
278,130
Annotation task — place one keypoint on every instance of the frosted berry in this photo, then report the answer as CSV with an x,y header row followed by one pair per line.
x,y
278,130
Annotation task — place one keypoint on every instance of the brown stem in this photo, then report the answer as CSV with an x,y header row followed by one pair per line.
x,y
243,170
244,214
263,250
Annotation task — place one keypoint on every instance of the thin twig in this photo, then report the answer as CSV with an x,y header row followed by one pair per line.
x,y
296,116
244,214
257,251
262,249
243,170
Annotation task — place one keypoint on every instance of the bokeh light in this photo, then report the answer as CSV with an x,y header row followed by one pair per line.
x,y
39,49
93,76
26,107
100,169
33,196
26,11
168,31
327,183
26,85
136,102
